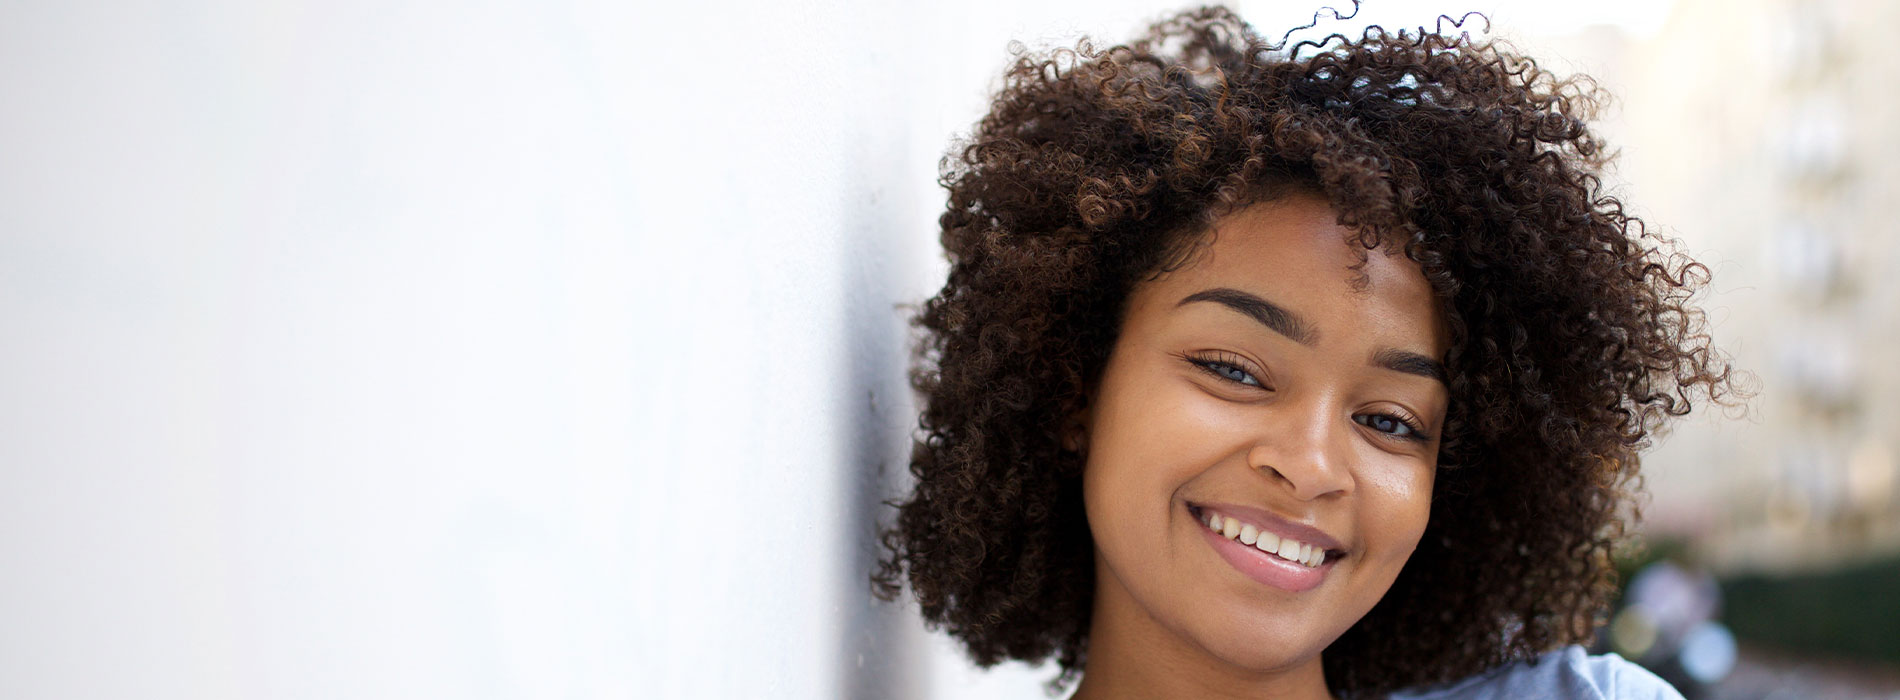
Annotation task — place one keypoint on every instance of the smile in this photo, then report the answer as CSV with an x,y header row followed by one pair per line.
x,y
1283,547
1267,549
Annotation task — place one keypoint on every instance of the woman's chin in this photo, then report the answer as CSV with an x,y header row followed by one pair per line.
x,y
1255,651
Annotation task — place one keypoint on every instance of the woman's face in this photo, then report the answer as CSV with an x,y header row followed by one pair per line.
x,y
1267,393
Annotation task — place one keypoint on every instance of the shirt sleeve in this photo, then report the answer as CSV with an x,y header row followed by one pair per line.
x,y
1565,674
1628,681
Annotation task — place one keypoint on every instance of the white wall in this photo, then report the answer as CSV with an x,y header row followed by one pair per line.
x,y
503,349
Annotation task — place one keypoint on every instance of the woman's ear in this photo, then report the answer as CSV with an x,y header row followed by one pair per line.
x,y
1075,432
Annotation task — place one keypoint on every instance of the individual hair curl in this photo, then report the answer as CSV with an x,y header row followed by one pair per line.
x,y
1574,336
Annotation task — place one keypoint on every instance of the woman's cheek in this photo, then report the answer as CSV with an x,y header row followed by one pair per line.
x,y
1402,489
1206,416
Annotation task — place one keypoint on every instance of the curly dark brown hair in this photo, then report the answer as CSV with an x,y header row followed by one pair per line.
x,y
1574,335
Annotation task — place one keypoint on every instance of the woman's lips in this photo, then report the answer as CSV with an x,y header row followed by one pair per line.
x,y
1268,522
1292,564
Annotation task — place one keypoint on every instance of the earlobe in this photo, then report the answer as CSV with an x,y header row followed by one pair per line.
x,y
1075,432
1074,438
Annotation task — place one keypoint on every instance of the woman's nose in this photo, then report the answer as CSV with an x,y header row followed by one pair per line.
x,y
1308,453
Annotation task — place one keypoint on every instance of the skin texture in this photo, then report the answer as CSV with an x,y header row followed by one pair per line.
x,y
1570,333
1200,403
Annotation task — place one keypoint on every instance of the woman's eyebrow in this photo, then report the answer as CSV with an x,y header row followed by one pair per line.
x,y
1409,363
1271,315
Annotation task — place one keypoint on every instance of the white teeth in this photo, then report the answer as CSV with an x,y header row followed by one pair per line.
x,y
1290,550
1269,543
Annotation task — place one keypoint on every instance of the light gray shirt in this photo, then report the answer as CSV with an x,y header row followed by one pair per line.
x,y
1565,674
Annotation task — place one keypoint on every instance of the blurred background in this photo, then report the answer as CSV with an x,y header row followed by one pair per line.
x,y
556,349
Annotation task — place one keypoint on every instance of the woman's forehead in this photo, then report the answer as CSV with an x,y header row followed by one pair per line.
x,y
1293,250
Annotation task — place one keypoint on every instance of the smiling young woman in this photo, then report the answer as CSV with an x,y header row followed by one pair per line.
x,y
1252,399
1292,375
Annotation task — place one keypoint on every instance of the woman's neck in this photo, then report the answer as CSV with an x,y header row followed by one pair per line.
x,y
1131,655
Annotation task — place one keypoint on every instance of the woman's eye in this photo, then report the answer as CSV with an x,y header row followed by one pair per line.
x,y
1389,425
1229,373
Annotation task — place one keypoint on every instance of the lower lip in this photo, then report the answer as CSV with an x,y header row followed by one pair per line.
x,y
1266,568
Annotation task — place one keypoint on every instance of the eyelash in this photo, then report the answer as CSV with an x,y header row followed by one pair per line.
x,y
1214,362
1413,432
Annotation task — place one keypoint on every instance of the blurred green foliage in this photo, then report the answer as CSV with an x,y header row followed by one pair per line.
x,y
1850,612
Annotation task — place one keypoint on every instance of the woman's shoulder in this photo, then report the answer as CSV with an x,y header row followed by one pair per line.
x,y
1559,675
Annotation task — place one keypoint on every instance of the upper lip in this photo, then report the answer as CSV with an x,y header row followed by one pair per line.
x,y
1268,522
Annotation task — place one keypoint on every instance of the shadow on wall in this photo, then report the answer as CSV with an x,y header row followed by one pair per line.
x,y
880,658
